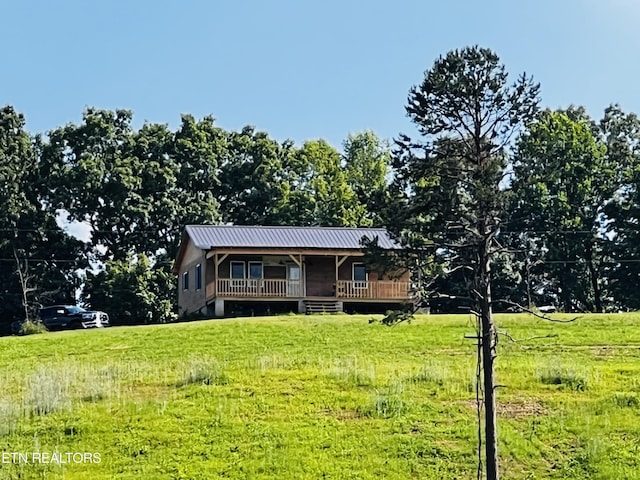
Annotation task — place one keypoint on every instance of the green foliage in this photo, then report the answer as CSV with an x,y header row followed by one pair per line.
x,y
39,260
570,378
447,201
562,179
136,189
253,178
317,191
31,327
367,162
389,403
131,291
47,392
621,132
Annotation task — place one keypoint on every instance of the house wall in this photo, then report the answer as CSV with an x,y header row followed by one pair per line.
x,y
345,271
192,300
320,274
268,270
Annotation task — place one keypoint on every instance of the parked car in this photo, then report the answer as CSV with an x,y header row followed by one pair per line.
x,y
59,317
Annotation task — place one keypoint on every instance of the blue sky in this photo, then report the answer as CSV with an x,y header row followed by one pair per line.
x,y
300,69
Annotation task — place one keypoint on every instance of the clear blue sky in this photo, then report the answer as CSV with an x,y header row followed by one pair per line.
x,y
300,69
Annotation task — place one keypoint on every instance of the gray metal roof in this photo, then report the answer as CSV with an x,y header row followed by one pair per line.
x,y
220,236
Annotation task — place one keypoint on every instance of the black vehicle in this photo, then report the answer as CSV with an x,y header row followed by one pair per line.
x,y
60,317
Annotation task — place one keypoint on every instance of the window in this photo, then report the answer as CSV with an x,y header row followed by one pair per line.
x,y
359,275
237,274
237,270
185,281
198,278
255,269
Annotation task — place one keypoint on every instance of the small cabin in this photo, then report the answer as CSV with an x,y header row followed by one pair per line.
x,y
223,270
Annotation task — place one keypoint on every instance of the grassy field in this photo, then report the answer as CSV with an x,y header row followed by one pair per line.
x,y
311,397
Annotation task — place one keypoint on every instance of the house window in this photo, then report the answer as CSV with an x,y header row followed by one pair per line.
x,y
237,270
185,281
255,269
359,275
237,274
198,278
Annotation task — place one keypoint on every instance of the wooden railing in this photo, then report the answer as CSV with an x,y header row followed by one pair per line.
x,y
259,287
378,289
231,287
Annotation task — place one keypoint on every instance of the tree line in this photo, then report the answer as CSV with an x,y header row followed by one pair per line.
x,y
568,235
137,188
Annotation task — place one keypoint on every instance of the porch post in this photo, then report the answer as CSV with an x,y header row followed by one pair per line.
x,y
215,280
335,290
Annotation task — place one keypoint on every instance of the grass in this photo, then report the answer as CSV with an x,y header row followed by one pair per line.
x,y
297,397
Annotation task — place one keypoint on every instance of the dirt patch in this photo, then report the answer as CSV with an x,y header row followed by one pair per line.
x,y
525,408
521,409
342,415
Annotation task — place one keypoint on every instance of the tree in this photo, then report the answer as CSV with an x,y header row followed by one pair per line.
x,y
562,180
198,147
317,191
621,134
38,261
136,188
132,291
448,194
252,178
366,161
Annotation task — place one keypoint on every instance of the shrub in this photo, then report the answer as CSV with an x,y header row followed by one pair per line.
x,y
31,327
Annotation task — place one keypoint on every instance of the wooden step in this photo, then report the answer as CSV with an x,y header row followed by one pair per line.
x,y
322,306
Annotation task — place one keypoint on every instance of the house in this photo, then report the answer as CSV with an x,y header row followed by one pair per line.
x,y
223,269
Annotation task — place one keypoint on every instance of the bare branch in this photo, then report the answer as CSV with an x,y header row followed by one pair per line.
x,y
535,314
522,340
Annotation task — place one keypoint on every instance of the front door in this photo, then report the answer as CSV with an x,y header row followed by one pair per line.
x,y
294,285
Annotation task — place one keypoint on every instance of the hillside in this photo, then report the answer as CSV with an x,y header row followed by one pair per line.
x,y
296,397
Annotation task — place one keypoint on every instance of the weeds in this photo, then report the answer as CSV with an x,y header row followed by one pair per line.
x,y
48,391
388,402
569,378
203,371
31,327
353,372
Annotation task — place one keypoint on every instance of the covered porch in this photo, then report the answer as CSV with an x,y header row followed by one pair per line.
x,y
299,275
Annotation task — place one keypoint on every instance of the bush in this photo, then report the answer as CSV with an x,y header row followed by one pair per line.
x,y
31,327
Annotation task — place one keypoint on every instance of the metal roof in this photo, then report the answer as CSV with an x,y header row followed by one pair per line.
x,y
221,236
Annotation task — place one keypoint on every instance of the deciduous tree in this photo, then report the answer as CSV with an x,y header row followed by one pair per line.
x,y
562,181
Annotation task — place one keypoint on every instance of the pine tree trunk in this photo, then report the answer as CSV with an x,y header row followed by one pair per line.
x,y
488,358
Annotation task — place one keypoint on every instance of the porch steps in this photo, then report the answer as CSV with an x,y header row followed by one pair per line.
x,y
322,306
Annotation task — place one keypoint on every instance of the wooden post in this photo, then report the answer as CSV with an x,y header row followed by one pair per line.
x,y
218,261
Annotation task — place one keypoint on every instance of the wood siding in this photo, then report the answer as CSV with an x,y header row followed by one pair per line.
x,y
320,274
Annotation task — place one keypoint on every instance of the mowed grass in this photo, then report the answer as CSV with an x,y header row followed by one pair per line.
x,y
310,397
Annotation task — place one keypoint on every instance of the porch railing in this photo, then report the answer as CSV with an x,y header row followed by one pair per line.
x,y
373,289
259,287
231,287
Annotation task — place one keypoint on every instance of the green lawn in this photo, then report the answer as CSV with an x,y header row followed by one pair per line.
x,y
297,397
